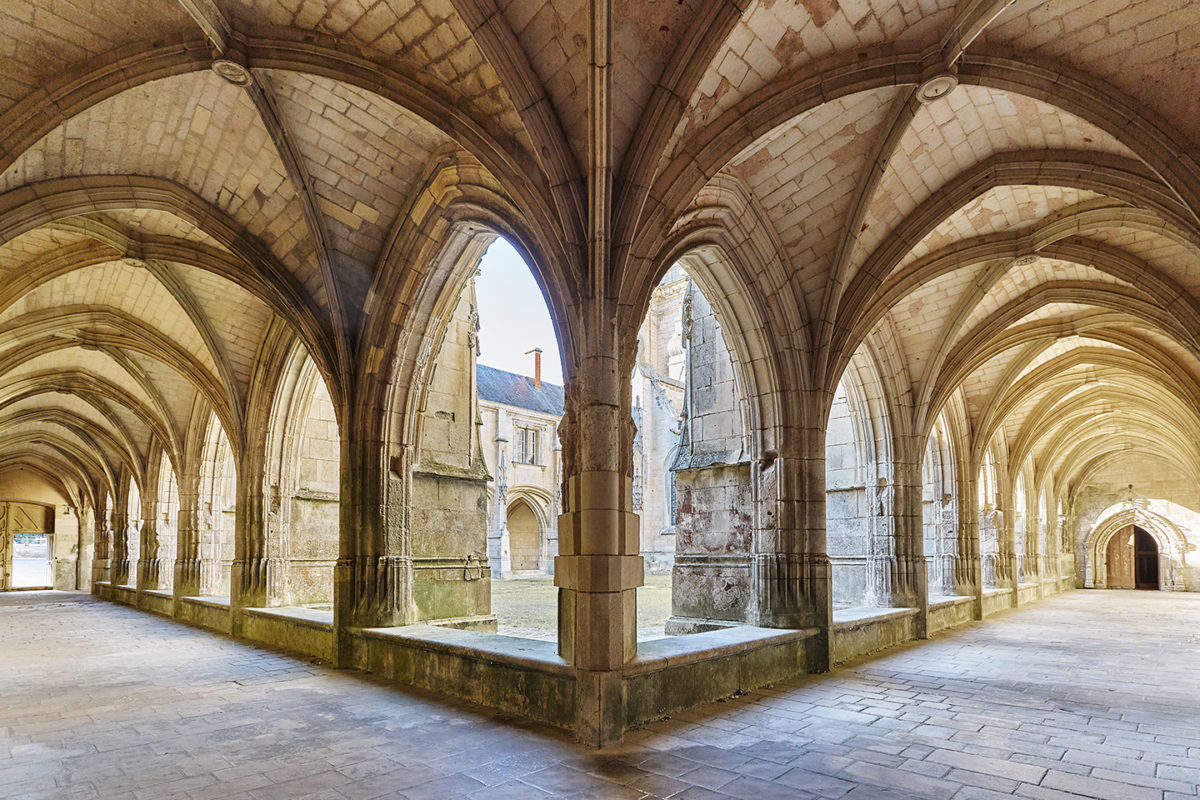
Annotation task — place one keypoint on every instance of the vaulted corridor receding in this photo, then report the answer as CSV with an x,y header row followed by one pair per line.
x,y
1056,701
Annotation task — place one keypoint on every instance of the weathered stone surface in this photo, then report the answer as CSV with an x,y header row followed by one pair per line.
x,y
933,264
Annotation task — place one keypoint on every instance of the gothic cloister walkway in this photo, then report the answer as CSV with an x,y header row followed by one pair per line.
x,y
1093,694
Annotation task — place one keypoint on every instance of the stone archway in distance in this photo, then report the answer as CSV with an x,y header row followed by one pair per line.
x,y
1165,536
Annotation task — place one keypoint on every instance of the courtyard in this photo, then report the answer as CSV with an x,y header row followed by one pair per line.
x,y
526,607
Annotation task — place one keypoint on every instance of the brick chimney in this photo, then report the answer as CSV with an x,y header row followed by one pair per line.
x,y
537,366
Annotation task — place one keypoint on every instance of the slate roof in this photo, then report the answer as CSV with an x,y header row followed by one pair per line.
x,y
511,389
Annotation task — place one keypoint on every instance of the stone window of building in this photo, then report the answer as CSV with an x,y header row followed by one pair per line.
x,y
528,441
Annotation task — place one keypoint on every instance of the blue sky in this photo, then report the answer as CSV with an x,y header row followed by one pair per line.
x,y
513,317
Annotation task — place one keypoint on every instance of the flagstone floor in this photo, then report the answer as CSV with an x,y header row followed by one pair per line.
x,y
1088,694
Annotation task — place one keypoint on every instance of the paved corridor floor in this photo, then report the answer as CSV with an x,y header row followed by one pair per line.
x,y
1092,694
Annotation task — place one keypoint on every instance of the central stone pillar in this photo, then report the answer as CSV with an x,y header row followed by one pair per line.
x,y
102,556
119,572
599,565
968,567
256,579
1006,563
150,562
189,563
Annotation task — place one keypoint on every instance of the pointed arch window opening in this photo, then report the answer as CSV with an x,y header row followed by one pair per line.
x,y
860,495
302,494
509,353
1021,530
690,457
991,522
940,511
216,512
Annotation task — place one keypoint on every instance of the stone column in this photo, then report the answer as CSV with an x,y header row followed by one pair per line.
x,y
374,573
599,565
968,573
86,542
189,561
1006,564
1033,550
118,573
149,564
792,575
102,557
1043,563
256,579
910,574
1054,547
1050,569
499,545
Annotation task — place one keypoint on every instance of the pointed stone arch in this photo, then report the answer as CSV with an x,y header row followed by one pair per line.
x,y
529,553
860,486
301,489
1172,545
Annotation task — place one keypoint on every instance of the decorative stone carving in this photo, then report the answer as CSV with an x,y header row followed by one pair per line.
x,y
937,87
231,71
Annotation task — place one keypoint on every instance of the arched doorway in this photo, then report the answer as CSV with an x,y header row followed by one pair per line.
x,y
1145,560
524,537
1132,560
26,546
1111,549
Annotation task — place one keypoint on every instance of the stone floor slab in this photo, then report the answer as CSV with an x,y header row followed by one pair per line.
x,y
1089,694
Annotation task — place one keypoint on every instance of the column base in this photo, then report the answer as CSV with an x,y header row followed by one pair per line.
x,y
150,572
373,592
794,590
258,582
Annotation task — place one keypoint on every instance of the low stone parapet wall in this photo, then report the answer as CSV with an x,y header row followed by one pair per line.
x,y
528,678
860,631
296,629
950,612
997,600
211,613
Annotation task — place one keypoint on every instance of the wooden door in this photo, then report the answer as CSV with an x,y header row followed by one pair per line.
x,y
1119,560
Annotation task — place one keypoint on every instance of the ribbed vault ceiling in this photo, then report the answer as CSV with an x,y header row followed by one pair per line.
x,y
1028,242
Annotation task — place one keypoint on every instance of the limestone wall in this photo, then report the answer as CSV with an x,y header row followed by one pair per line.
x,y
715,496
448,518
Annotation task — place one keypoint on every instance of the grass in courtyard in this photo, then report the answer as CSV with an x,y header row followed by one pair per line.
x,y
527,607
